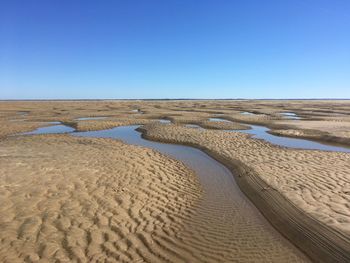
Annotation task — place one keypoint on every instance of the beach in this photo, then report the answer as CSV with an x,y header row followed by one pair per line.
x,y
71,198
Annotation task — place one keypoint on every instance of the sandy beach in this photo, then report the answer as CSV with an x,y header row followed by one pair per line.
x,y
88,199
72,199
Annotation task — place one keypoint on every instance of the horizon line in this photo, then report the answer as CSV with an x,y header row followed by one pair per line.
x,y
157,99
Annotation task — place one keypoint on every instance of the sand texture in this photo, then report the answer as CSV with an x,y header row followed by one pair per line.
x,y
77,199
306,178
70,199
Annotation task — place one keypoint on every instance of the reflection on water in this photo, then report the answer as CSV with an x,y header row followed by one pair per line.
x,y
260,132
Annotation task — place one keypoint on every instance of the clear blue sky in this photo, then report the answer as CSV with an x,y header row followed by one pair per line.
x,y
174,49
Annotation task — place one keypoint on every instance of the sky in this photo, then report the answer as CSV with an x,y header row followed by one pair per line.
x,y
134,49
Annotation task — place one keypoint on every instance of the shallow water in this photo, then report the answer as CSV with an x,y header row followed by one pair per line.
x,y
51,129
195,126
247,113
165,121
218,120
290,115
14,120
23,113
91,118
261,132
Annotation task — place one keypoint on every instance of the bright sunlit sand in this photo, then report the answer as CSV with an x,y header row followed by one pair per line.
x,y
175,131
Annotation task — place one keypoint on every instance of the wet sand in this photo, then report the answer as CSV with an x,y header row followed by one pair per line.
x,y
77,199
225,226
302,179
315,183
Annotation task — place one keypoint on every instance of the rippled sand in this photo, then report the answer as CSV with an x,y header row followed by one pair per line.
x,y
77,199
70,199
316,181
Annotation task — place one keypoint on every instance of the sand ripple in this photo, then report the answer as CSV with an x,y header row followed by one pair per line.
x,y
76,199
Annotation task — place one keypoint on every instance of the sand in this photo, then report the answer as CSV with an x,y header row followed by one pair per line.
x,y
303,177
78,199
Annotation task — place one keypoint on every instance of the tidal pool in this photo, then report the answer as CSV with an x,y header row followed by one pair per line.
x,y
91,118
290,115
247,113
51,129
218,120
164,121
261,132
194,126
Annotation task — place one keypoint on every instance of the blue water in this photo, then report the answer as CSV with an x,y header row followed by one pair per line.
x,y
90,118
51,129
165,121
194,126
218,119
290,115
261,132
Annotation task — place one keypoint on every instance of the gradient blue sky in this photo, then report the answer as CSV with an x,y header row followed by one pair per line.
x,y
174,49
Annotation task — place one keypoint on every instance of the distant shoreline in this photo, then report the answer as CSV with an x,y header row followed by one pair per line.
x,y
165,99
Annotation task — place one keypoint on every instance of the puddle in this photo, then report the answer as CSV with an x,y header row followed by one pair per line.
x,y
290,115
51,130
165,121
246,113
194,126
22,113
139,111
261,132
218,120
91,118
